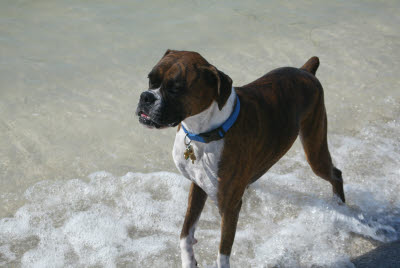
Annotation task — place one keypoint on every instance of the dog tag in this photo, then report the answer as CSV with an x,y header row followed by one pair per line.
x,y
192,157
189,153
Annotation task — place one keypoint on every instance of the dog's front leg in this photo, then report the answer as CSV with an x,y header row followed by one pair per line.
x,y
197,199
230,217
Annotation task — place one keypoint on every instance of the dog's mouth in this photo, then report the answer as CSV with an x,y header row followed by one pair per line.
x,y
147,121
144,116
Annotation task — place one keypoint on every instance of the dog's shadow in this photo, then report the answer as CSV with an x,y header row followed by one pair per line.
x,y
385,256
380,227
381,215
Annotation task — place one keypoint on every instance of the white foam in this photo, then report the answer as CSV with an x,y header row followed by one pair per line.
x,y
288,218
101,222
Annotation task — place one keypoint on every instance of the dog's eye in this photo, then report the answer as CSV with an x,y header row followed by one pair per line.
x,y
154,80
173,87
170,85
153,83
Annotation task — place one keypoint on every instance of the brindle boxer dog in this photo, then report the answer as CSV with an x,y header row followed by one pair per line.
x,y
229,137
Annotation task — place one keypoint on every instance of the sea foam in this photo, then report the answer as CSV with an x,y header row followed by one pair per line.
x,y
288,218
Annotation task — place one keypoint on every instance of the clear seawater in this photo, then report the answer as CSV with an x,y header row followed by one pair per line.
x,y
82,184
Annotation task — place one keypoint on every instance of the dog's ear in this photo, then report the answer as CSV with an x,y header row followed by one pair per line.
x,y
225,89
222,83
168,52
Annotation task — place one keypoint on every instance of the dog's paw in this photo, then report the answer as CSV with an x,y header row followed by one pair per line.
x,y
187,255
189,263
338,200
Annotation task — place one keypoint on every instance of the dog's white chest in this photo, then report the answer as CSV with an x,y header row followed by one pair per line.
x,y
204,170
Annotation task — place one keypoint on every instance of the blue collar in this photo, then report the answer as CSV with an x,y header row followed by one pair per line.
x,y
217,133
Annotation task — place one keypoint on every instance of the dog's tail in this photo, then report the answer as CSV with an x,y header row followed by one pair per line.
x,y
311,65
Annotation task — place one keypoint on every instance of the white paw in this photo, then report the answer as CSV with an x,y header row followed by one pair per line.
x,y
223,261
187,254
188,261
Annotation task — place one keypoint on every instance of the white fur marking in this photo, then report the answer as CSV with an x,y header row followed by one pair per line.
x,y
212,117
187,253
204,170
156,92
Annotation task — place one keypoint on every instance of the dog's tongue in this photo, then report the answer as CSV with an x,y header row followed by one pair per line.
x,y
144,115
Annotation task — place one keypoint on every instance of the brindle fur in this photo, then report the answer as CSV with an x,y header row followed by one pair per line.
x,y
275,109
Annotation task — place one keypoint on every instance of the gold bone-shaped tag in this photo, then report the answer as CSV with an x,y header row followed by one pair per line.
x,y
189,153
192,157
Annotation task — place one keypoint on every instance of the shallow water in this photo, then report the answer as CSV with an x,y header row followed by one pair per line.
x,y
70,76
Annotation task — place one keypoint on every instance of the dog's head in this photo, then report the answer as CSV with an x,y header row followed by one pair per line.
x,y
181,84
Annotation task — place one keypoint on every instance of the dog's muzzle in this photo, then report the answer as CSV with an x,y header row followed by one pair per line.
x,y
149,111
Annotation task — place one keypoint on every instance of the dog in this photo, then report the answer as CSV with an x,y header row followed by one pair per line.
x,y
228,137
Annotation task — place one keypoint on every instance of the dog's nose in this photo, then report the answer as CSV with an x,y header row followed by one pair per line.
x,y
147,97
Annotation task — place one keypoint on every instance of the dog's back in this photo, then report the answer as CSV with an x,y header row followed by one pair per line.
x,y
276,108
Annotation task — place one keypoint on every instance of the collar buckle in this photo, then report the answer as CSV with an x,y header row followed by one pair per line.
x,y
213,135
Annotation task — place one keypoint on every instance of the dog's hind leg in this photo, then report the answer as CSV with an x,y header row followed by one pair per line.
x,y
313,135
197,199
